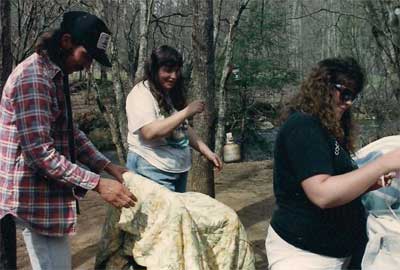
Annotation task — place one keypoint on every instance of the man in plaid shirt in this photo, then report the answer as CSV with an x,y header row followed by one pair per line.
x,y
38,181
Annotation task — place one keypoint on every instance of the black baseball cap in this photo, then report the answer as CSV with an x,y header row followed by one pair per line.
x,y
90,32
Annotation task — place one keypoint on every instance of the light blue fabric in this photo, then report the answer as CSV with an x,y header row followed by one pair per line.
x,y
383,248
47,252
388,196
383,224
381,198
173,181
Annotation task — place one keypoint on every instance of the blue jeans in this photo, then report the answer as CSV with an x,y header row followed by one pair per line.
x,y
47,252
173,181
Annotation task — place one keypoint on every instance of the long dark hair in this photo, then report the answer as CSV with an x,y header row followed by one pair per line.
x,y
49,44
316,96
165,56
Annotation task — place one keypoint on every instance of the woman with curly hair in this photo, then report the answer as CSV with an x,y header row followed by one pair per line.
x,y
319,221
159,134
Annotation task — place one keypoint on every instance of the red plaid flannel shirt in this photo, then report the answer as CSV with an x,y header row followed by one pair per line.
x,y
38,183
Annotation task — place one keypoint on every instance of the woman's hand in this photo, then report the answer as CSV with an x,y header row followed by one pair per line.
x,y
195,107
116,171
203,149
161,128
383,181
215,159
386,180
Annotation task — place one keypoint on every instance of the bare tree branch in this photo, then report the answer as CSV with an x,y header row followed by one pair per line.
x,y
179,14
328,11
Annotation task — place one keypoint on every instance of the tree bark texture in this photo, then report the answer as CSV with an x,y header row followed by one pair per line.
x,y
221,94
146,10
7,60
217,20
120,111
201,177
114,114
112,120
387,36
8,249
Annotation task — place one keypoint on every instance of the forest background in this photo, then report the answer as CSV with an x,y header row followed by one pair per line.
x,y
243,57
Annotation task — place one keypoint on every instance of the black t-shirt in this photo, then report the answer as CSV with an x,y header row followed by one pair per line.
x,y
303,149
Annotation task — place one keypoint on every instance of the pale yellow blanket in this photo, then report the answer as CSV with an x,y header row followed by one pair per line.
x,y
168,230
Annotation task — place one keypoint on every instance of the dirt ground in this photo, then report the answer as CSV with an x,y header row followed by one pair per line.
x,y
246,187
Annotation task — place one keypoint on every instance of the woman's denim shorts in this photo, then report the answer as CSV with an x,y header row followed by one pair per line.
x,y
173,181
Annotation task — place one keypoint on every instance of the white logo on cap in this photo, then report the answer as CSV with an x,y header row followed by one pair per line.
x,y
103,41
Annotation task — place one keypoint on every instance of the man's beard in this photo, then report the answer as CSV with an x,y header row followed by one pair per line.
x,y
65,54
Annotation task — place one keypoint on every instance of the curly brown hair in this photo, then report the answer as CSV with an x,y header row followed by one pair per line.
x,y
316,97
165,56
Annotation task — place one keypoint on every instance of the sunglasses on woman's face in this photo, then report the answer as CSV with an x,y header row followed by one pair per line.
x,y
346,94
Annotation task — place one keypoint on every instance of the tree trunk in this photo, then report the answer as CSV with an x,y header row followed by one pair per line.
x,y
146,11
201,177
221,95
296,38
387,37
8,249
6,61
292,26
219,137
120,111
114,114
112,120
217,19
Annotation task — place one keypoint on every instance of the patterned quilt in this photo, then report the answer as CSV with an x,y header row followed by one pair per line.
x,y
168,230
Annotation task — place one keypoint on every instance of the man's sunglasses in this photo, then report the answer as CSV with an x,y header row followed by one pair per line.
x,y
346,94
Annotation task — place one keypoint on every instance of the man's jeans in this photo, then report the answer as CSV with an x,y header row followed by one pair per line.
x,y
47,252
173,181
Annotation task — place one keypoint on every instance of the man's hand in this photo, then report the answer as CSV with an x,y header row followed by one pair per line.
x,y
115,193
116,171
